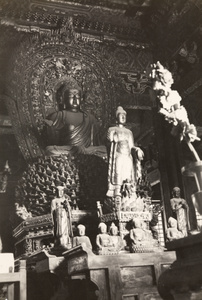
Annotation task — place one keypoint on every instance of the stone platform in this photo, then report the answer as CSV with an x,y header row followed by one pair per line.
x,y
84,274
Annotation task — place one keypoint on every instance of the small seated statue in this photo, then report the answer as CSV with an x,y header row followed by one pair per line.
x,y
137,233
141,239
172,232
116,240
82,238
103,239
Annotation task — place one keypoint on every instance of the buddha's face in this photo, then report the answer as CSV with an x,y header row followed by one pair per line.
x,y
121,118
176,193
103,229
173,223
114,231
74,99
60,193
81,231
136,223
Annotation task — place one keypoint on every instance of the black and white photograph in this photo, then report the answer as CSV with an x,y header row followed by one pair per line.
x,y
100,149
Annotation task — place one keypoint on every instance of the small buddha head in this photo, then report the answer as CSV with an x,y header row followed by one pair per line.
x,y
81,229
113,229
102,227
136,223
60,191
72,99
121,115
176,192
172,222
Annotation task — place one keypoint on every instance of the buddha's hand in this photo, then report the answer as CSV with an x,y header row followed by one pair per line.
x,y
48,122
116,137
139,153
178,206
184,203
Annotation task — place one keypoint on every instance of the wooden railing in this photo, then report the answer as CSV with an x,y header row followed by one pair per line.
x,y
19,277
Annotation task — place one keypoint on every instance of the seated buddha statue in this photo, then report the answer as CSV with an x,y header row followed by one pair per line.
x,y
172,232
103,239
82,238
141,239
116,240
72,129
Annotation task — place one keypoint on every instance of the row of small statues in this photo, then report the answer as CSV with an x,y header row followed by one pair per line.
x,y
104,241
108,243
139,236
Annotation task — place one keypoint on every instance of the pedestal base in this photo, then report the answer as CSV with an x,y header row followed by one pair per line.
x,y
122,276
183,279
80,274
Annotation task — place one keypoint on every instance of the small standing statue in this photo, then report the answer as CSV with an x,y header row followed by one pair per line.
x,y
172,232
82,238
121,166
180,210
61,214
127,188
4,178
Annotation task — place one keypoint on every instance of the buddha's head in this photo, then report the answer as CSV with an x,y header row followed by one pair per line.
x,y
102,227
176,192
72,99
60,191
137,223
172,222
81,229
121,115
113,229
